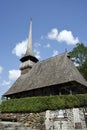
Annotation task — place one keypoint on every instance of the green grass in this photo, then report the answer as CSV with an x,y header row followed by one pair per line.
x,y
39,104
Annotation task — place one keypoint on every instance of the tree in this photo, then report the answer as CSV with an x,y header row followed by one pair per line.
x,y
83,69
79,56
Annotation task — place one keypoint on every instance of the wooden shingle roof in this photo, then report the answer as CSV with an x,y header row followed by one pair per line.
x,y
53,71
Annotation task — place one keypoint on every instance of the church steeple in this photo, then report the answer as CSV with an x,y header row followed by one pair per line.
x,y
29,50
28,59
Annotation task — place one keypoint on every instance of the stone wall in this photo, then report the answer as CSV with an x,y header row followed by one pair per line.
x,y
67,119
32,120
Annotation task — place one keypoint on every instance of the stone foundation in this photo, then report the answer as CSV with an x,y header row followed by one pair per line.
x,y
33,120
67,119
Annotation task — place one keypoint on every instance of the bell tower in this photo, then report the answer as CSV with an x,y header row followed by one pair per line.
x,y
28,59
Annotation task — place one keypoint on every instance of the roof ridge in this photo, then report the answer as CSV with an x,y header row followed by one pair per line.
x,y
51,57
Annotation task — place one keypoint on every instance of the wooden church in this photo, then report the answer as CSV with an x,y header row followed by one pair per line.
x,y
54,76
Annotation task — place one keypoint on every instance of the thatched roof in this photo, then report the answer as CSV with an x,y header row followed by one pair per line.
x,y
53,71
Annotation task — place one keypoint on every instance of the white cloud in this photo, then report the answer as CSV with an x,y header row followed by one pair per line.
x,y
63,36
37,44
20,48
67,36
14,74
47,46
1,69
37,53
55,52
74,61
5,83
76,64
53,34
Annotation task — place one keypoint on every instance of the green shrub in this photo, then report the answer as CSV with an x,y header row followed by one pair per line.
x,y
38,104
0,107
40,120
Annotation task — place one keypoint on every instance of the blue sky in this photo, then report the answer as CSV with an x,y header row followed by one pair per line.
x,y
57,25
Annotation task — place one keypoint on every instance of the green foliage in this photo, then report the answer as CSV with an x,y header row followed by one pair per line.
x,y
0,107
3,98
38,104
72,101
79,54
83,69
40,120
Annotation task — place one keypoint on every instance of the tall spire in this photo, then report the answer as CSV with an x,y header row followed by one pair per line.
x,y
28,59
29,50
